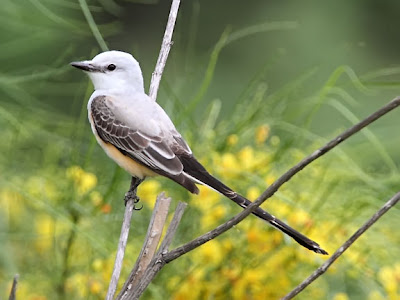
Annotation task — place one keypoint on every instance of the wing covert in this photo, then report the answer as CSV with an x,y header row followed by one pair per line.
x,y
154,152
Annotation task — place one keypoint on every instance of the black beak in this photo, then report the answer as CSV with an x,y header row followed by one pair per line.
x,y
84,65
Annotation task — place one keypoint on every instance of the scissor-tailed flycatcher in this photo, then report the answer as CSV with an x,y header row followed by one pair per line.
x,y
137,133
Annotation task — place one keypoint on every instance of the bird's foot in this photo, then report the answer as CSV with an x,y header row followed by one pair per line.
x,y
131,195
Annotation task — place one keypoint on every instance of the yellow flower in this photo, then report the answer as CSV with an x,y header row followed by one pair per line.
x,y
74,172
270,179
279,208
83,181
41,188
246,156
148,191
262,133
396,270
206,199
95,287
173,282
340,296
250,284
12,206
77,284
211,218
227,245
88,181
388,278
97,265
253,193
25,291
229,164
254,275
211,253
231,273
253,235
232,140
191,287
96,198
318,293
354,256
44,226
107,267
299,217
260,239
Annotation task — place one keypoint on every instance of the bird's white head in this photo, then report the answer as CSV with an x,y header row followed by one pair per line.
x,y
113,70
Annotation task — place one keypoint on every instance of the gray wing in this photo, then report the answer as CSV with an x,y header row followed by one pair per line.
x,y
158,153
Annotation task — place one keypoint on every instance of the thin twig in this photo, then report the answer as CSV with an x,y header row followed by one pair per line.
x,y
165,47
92,24
168,257
324,267
180,209
126,223
75,217
135,292
153,236
13,292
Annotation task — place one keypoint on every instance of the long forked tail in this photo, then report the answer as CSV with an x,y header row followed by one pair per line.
x,y
193,168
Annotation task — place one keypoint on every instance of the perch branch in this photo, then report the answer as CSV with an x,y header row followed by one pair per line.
x,y
153,236
165,47
324,267
121,249
149,274
13,291
173,227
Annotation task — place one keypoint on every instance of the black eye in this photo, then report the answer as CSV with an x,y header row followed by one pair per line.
x,y
111,67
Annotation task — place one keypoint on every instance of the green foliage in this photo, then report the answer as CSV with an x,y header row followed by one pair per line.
x,y
61,197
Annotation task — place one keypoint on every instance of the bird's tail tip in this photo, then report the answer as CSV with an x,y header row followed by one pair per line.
x,y
317,249
310,244
298,237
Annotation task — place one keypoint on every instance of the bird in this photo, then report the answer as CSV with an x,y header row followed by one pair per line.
x,y
136,132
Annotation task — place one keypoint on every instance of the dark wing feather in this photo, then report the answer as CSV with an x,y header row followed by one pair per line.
x,y
153,152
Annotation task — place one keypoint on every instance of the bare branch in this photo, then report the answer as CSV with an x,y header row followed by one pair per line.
x,y
92,25
154,267
173,227
130,291
279,182
150,273
126,223
165,47
324,267
154,231
13,292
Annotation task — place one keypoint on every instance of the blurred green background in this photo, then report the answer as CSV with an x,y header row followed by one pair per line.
x,y
254,86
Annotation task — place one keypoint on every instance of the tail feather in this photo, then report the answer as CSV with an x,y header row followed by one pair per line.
x,y
194,169
278,224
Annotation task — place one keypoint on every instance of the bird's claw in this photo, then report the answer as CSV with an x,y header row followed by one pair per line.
x,y
131,195
137,208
